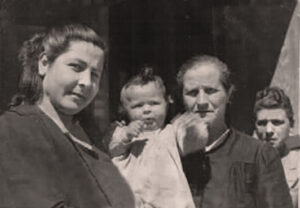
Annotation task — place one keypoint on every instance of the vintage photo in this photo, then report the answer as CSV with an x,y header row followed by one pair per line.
x,y
149,103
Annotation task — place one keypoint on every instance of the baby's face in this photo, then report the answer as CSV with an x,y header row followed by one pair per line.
x,y
146,103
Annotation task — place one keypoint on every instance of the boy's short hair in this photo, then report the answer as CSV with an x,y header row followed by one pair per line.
x,y
145,76
273,98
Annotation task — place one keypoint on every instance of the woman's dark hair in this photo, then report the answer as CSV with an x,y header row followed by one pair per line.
x,y
273,98
52,44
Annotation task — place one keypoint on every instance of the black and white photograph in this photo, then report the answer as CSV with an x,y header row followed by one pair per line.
x,y
149,103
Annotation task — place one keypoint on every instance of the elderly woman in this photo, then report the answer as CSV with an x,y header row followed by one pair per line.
x,y
233,170
46,159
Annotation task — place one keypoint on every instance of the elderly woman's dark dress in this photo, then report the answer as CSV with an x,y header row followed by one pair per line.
x,y
244,173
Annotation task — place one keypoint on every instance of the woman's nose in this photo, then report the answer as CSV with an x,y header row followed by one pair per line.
x,y
202,98
202,102
85,78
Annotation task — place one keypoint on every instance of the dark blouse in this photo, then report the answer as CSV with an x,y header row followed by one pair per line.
x,y
41,167
243,173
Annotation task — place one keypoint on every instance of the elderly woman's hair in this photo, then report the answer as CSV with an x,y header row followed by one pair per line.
x,y
145,76
52,44
200,60
274,98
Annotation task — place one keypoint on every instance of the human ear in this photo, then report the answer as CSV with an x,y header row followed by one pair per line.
x,y
170,99
229,94
291,131
43,65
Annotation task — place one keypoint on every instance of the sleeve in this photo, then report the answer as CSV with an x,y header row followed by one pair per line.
x,y
272,189
5,195
293,142
114,141
108,135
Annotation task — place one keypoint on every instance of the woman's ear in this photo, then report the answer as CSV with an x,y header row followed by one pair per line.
x,y
170,99
43,64
230,94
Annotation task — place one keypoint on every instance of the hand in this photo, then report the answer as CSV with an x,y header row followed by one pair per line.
x,y
133,129
191,132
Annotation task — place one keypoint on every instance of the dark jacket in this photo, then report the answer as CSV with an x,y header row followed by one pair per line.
x,y
244,173
40,167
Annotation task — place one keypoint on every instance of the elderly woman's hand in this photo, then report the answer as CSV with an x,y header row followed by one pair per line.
x,y
191,132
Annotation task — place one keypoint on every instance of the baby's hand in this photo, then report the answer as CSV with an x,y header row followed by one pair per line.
x,y
191,132
133,129
122,137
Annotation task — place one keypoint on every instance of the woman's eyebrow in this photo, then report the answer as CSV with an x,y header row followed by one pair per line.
x,y
80,61
190,88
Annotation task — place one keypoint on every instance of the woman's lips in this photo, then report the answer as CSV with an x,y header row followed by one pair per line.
x,y
78,95
204,113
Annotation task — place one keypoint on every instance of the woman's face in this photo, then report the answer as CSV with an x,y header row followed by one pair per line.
x,y
71,82
204,94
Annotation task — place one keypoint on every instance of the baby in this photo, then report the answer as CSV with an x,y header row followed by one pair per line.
x,y
146,151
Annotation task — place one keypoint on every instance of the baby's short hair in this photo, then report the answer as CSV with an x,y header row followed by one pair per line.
x,y
145,77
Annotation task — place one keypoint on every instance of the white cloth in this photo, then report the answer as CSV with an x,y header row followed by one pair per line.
x,y
290,166
153,169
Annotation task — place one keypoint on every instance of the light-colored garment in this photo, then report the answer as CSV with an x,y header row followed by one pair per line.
x,y
290,165
153,170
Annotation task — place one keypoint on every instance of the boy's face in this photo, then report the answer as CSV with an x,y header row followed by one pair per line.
x,y
146,103
272,125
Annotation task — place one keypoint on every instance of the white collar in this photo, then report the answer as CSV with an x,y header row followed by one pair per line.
x,y
217,142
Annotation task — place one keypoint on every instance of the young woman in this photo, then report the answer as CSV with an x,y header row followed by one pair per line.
x,y
46,159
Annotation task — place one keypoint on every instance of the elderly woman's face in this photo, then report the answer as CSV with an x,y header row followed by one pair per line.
x,y
72,80
204,94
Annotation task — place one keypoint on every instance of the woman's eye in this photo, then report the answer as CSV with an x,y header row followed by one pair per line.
x,y
210,90
76,67
95,74
192,93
